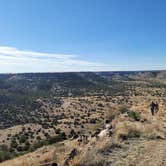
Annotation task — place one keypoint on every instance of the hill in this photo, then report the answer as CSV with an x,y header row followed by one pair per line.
x,y
56,109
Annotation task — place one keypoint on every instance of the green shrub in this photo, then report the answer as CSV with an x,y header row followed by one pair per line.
x,y
14,144
23,138
134,133
116,111
4,155
55,139
134,115
38,144
131,134
122,109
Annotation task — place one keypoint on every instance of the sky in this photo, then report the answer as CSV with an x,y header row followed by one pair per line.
x,y
82,35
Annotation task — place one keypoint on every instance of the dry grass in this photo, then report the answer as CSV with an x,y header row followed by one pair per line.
x,y
114,111
147,127
91,154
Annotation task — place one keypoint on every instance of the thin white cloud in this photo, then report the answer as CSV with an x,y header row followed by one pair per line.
x,y
15,60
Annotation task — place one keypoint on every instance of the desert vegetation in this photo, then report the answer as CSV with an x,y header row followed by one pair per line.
x,y
78,119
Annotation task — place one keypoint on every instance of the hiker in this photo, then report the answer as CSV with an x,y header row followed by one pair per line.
x,y
152,107
156,107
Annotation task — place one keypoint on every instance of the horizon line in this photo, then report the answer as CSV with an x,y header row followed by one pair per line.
x,y
100,71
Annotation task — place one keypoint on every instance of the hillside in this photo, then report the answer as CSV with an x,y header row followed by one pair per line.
x,y
43,115
136,138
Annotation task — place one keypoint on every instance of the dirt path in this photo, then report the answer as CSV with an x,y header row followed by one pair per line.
x,y
140,153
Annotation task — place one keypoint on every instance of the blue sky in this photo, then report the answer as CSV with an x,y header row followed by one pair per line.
x,y
82,35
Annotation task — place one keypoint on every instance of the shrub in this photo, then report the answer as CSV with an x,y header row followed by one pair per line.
x,y
134,115
122,109
92,121
38,137
130,134
55,139
19,148
3,147
100,105
23,138
57,131
14,144
38,144
115,111
11,150
128,130
4,155
46,135
26,147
